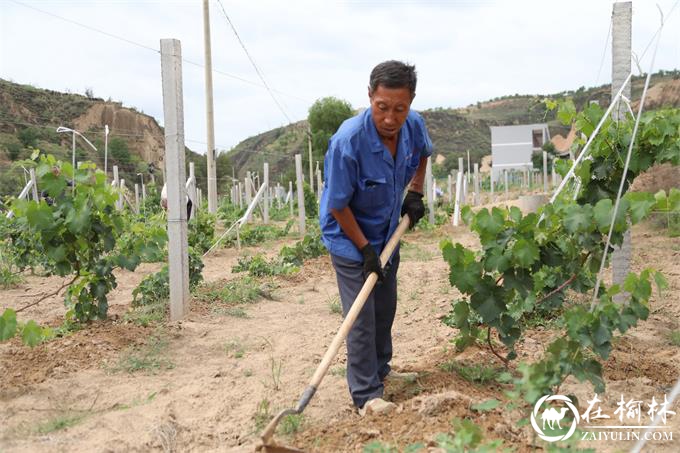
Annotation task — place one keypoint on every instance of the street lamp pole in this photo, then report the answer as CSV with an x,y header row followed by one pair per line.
x,y
106,151
74,132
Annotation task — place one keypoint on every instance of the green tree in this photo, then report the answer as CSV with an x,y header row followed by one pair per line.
x,y
29,136
325,117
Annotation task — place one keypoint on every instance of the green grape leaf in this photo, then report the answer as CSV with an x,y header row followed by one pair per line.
x,y
486,406
603,215
525,253
31,334
577,219
641,204
488,224
8,324
39,215
566,112
78,219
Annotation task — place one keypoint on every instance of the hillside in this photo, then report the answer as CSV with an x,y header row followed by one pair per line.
x,y
455,131
29,117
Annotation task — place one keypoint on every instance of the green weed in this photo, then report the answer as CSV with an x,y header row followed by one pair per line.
x,y
412,252
262,415
472,373
235,349
9,278
377,446
60,421
674,337
146,315
339,371
242,290
334,305
291,424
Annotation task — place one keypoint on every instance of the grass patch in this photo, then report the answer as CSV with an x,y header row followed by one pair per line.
x,y
334,305
262,415
339,371
547,319
234,312
150,357
674,337
412,252
242,290
146,315
479,374
8,278
60,421
291,424
235,349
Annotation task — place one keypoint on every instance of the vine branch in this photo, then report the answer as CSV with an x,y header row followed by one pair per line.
x,y
48,295
488,340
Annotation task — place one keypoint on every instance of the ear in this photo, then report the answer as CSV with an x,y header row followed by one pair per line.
x,y
370,93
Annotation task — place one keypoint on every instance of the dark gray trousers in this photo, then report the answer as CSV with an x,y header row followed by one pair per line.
x,y
369,343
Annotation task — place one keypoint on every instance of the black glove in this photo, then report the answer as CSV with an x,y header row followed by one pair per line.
x,y
414,207
371,262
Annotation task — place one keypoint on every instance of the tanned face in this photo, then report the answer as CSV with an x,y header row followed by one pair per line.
x,y
389,108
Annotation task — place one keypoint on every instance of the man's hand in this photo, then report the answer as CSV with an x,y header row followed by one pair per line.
x,y
414,207
371,262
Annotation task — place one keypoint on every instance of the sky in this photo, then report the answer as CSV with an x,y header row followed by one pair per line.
x,y
464,51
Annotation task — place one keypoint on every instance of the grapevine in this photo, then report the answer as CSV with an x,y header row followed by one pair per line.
x,y
529,262
81,236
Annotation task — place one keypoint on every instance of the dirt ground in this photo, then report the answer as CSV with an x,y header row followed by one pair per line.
x,y
215,378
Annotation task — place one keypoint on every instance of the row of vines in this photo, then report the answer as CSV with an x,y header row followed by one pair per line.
x,y
76,232
530,265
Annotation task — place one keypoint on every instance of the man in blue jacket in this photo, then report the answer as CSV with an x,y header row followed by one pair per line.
x,y
371,160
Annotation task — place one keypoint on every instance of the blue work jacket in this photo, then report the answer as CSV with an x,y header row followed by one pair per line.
x,y
361,173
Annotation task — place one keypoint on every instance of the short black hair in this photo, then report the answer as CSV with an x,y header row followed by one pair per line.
x,y
394,74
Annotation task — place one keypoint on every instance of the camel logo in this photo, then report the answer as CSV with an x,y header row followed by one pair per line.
x,y
553,417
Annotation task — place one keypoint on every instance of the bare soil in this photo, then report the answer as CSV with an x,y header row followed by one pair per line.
x,y
217,378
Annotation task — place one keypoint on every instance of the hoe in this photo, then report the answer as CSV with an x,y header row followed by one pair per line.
x,y
268,445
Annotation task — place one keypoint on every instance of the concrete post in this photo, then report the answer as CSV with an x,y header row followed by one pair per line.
x,y
173,112
505,181
319,184
459,198
545,172
290,199
34,186
266,193
477,186
301,194
137,198
278,195
429,187
240,195
491,186
116,184
622,17
121,189
309,145
449,184
192,190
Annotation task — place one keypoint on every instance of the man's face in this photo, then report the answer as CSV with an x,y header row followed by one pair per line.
x,y
389,108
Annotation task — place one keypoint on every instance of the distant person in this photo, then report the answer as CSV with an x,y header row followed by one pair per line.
x,y
371,160
164,200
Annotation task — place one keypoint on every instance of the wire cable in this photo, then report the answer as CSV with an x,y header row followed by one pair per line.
x,y
153,49
252,61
